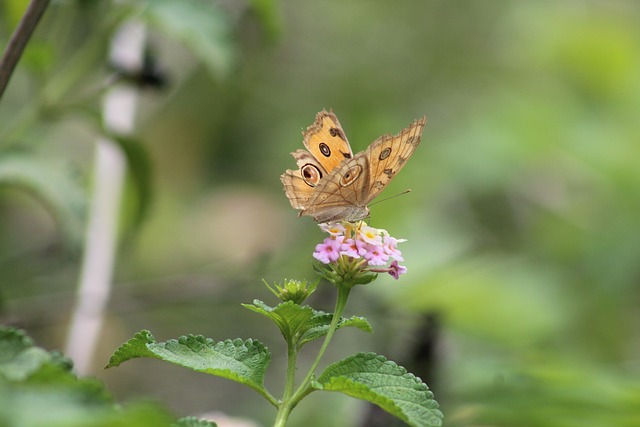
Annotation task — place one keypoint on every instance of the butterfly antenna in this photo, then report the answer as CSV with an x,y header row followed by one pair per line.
x,y
408,190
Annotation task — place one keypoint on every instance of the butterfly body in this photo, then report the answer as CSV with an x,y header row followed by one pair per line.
x,y
332,184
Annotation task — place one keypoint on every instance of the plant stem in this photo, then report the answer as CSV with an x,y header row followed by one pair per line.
x,y
19,40
343,295
283,415
292,359
290,401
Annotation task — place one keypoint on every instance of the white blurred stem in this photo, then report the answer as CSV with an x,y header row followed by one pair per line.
x,y
119,106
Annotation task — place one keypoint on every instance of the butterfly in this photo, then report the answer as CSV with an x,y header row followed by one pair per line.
x,y
332,184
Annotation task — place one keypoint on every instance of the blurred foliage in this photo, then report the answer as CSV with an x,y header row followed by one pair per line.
x,y
38,389
522,224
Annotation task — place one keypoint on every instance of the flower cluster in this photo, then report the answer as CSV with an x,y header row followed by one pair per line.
x,y
372,247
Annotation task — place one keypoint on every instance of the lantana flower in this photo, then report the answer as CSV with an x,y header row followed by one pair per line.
x,y
357,250
329,250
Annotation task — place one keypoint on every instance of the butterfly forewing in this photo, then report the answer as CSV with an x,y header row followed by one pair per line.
x,y
326,141
388,154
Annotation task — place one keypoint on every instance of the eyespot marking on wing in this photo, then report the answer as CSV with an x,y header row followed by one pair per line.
x,y
385,153
324,149
350,175
311,174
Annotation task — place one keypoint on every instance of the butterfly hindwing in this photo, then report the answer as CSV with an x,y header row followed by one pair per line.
x,y
297,190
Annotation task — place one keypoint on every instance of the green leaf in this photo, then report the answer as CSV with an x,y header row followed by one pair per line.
x,y
319,326
202,26
12,342
18,358
52,182
22,362
373,378
139,173
301,323
193,422
242,361
38,388
52,406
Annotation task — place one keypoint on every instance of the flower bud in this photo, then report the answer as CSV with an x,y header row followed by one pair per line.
x,y
292,290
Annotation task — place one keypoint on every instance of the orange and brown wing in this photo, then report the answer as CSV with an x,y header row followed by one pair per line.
x,y
298,191
340,196
326,141
388,154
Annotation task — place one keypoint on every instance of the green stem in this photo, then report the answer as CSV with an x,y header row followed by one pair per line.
x,y
343,295
283,408
292,359
283,415
290,401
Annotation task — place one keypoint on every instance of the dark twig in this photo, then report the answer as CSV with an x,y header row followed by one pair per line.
x,y
19,40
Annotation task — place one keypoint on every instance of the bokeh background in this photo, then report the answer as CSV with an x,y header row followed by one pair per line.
x,y
521,303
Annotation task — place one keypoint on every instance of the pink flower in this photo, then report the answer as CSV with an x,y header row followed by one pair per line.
x,y
391,248
353,248
328,251
395,270
375,255
361,247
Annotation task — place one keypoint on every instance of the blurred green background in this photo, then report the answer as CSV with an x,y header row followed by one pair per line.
x,y
523,225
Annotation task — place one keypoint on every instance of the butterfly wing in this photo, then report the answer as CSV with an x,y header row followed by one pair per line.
x,y
328,147
298,190
326,141
340,196
388,154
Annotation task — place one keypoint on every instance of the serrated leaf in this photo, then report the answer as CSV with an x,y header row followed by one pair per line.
x,y
373,378
288,316
193,422
55,184
242,361
202,26
302,323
